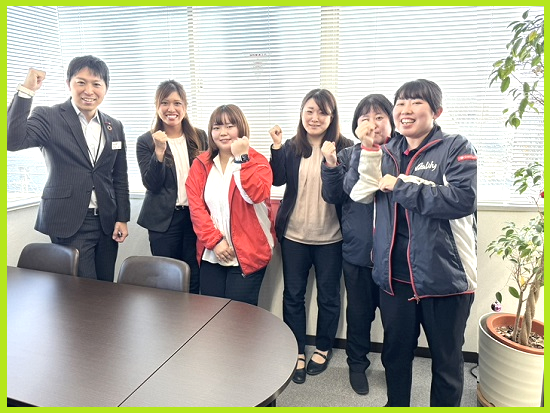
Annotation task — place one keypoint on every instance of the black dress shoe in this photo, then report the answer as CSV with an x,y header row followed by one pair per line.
x,y
359,382
314,368
299,376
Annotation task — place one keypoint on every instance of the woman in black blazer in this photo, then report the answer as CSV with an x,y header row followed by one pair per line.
x,y
165,155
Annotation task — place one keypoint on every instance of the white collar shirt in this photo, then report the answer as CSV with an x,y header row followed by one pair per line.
x,y
94,139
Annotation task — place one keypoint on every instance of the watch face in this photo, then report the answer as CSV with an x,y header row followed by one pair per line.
x,y
244,158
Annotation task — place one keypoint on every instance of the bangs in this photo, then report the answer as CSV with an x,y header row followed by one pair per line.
x,y
412,90
371,106
223,115
324,104
421,89
166,88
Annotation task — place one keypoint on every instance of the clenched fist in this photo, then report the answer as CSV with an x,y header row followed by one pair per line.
x,y
240,146
365,133
160,140
34,79
329,152
277,136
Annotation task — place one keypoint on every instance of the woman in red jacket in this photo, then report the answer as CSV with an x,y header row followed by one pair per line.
x,y
229,189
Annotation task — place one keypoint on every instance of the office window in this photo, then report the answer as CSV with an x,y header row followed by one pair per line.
x,y
265,59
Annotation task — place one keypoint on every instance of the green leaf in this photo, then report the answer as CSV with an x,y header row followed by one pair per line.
x,y
505,84
513,292
517,44
498,296
523,105
515,122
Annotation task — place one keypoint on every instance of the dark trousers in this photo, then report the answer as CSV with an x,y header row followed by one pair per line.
x,y
362,299
97,250
179,242
444,321
297,261
229,282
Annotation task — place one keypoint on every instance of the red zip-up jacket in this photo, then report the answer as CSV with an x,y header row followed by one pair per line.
x,y
252,232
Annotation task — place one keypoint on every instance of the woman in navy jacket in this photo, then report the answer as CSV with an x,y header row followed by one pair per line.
x,y
425,240
357,231
165,155
308,228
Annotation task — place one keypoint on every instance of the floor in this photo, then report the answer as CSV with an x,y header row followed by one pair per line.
x,y
332,388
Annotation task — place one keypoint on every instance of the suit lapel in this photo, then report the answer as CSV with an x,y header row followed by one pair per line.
x,y
112,143
107,132
68,113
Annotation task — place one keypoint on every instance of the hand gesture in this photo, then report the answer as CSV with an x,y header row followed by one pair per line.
x,y
34,79
386,183
277,136
120,233
365,133
240,146
329,152
160,140
224,252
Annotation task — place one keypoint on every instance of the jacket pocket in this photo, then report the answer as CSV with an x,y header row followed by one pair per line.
x,y
57,192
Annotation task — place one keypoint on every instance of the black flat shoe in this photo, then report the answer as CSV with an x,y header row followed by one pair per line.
x,y
314,368
299,376
359,382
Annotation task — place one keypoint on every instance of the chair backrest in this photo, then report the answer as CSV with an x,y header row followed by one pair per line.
x,y
49,257
158,272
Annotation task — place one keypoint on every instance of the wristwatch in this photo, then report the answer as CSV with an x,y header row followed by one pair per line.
x,y
242,159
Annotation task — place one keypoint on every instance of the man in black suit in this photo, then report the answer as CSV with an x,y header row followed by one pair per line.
x,y
85,202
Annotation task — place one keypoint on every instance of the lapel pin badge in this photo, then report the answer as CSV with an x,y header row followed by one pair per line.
x,y
109,127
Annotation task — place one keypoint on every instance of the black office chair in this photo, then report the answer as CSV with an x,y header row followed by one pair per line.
x,y
49,257
158,272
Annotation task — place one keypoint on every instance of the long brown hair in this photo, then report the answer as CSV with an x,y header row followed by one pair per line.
x,y
165,89
327,103
235,116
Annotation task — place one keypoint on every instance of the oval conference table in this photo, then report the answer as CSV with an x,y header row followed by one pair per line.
x,y
79,342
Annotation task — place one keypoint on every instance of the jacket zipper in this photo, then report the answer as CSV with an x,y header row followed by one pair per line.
x,y
415,297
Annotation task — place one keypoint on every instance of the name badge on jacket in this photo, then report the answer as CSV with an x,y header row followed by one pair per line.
x,y
117,145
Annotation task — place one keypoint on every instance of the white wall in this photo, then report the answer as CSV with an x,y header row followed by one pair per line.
x,y
492,273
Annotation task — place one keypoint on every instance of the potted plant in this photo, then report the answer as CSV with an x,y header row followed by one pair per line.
x,y
508,375
523,247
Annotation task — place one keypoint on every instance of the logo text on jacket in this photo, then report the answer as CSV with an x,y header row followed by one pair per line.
x,y
428,165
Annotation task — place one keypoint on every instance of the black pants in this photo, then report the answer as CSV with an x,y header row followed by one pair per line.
x,y
179,242
362,299
444,321
229,282
97,250
297,261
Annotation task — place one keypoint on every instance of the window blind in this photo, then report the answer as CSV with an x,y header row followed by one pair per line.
x,y
265,59
32,41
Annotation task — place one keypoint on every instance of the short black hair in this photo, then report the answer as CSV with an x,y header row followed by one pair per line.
x,y
94,64
421,89
373,102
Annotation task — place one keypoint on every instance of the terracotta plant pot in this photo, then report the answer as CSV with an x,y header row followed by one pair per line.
x,y
507,377
497,320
